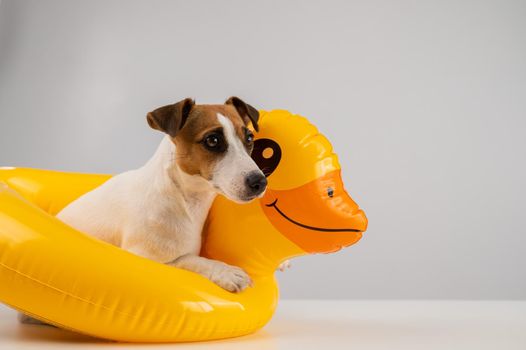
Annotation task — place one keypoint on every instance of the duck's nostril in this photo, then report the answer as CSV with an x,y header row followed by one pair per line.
x,y
256,182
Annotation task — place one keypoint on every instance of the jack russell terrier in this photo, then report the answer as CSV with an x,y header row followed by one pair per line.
x,y
158,210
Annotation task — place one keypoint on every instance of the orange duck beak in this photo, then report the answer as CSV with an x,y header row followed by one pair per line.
x,y
319,217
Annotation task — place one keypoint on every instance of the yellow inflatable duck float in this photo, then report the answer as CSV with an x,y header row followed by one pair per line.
x,y
61,276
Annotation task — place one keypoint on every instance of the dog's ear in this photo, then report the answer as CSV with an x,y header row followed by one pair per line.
x,y
171,118
245,110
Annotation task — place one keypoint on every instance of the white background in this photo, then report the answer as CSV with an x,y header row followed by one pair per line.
x,y
424,101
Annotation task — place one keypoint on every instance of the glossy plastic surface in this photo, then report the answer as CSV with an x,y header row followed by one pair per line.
x,y
57,274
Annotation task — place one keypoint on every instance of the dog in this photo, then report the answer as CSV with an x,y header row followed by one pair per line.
x,y
158,211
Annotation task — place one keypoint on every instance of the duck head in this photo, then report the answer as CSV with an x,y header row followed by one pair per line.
x,y
305,209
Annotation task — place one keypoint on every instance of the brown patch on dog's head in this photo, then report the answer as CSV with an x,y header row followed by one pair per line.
x,y
193,127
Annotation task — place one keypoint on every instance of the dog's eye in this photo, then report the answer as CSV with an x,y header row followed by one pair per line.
x,y
214,142
330,192
250,138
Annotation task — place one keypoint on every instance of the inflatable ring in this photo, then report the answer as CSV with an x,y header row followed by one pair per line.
x,y
61,276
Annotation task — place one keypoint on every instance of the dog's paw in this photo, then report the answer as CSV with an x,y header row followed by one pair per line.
x,y
284,265
231,278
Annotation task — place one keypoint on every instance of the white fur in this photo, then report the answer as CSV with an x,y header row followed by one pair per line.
x,y
156,211
231,170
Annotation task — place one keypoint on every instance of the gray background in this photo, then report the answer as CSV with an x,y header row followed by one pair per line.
x,y
425,102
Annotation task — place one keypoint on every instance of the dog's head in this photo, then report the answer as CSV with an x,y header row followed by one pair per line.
x,y
214,142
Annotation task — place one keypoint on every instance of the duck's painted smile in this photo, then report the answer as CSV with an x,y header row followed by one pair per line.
x,y
275,206
319,216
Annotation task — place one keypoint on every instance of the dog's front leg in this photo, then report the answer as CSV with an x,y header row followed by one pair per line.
x,y
231,278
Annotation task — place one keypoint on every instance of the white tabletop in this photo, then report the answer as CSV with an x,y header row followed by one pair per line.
x,y
320,324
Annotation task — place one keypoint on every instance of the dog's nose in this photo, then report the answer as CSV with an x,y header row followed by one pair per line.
x,y
256,182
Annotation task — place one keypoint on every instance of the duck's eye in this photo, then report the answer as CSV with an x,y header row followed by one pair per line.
x,y
330,192
267,155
